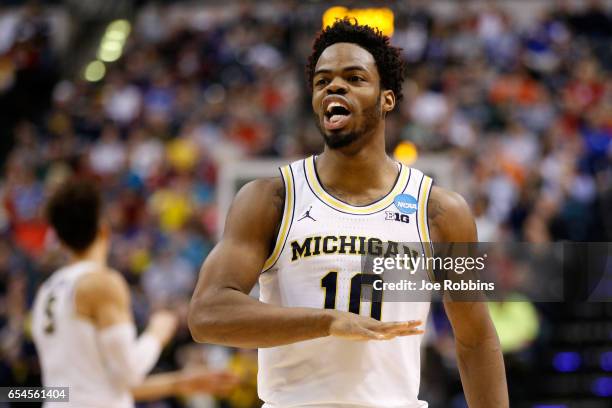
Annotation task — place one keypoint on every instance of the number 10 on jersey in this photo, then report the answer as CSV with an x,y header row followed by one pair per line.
x,y
330,283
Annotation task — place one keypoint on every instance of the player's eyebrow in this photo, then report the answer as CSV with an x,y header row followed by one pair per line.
x,y
349,68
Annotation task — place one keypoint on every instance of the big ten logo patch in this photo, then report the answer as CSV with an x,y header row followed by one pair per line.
x,y
395,216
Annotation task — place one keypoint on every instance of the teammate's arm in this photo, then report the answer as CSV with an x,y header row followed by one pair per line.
x,y
185,382
104,298
221,309
479,355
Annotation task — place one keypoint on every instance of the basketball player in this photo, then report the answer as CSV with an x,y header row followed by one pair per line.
x,y
302,235
83,326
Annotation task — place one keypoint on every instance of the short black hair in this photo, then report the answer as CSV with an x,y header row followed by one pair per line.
x,y
388,59
73,211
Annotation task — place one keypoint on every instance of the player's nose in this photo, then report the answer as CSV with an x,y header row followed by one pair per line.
x,y
337,86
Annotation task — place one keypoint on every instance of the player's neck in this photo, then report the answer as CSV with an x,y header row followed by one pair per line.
x,y
97,252
367,168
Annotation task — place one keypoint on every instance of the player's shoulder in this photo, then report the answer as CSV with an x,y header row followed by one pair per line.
x,y
256,210
449,216
263,189
447,200
98,289
262,197
103,284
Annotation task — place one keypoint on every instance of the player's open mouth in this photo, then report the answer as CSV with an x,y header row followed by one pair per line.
x,y
336,116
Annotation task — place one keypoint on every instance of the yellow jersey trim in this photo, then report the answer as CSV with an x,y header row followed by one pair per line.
x,y
287,218
321,194
422,219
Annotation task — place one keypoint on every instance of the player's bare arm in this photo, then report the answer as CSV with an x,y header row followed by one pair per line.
x,y
189,381
222,311
104,299
479,354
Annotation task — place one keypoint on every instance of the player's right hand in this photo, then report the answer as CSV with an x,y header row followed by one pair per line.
x,y
163,325
218,383
351,326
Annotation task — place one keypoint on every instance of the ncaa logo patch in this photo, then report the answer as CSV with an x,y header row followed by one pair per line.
x,y
406,203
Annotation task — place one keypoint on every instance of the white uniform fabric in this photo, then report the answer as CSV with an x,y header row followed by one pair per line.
x,y
68,346
331,372
129,359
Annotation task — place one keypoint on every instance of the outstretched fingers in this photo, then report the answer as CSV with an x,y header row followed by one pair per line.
x,y
394,329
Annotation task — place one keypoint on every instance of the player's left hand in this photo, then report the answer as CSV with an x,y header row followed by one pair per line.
x,y
218,383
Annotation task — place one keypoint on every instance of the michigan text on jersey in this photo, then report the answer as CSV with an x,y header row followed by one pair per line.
x,y
348,244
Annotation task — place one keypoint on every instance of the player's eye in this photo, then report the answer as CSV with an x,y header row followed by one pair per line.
x,y
355,78
321,81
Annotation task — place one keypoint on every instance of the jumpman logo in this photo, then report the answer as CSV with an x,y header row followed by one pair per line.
x,y
307,214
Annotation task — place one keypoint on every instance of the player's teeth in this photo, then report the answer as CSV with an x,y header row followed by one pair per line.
x,y
332,105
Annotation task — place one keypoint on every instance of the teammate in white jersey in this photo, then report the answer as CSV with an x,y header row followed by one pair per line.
x,y
83,326
303,235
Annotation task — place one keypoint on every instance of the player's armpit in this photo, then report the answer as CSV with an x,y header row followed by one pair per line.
x,y
103,298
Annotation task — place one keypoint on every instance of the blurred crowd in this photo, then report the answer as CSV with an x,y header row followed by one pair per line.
x,y
524,113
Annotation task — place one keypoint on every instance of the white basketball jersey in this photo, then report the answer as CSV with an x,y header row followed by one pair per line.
x,y
67,345
314,263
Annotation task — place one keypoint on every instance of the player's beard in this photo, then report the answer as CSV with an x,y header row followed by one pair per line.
x,y
371,116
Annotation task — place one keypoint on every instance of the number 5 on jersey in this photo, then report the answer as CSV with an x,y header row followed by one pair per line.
x,y
50,326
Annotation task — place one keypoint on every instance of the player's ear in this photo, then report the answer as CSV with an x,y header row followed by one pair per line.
x,y
388,100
